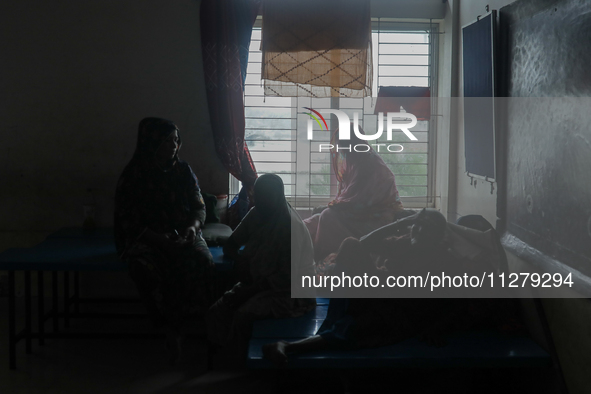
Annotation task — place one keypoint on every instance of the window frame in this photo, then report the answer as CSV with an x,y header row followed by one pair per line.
x,y
432,27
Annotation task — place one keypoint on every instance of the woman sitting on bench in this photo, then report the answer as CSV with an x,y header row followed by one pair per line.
x,y
276,247
158,215
367,199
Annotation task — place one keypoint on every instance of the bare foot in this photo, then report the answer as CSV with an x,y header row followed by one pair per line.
x,y
275,352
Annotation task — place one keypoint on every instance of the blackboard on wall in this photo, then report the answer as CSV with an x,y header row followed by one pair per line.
x,y
478,40
545,197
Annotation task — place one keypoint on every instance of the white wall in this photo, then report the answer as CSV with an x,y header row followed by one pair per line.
x,y
446,124
77,77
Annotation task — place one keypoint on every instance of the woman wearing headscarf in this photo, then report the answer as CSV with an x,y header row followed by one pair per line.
x,y
159,211
270,247
367,199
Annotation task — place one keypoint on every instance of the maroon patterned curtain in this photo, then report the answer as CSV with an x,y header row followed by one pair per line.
x,y
226,27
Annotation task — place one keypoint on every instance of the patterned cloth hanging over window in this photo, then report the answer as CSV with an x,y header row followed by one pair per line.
x,y
317,48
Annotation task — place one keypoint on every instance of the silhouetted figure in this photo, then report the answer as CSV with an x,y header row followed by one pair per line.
x,y
158,216
276,246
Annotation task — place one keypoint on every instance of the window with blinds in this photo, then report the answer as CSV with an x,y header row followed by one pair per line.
x,y
404,54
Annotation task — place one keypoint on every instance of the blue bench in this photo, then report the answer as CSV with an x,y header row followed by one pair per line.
x,y
291,328
68,250
484,349
464,349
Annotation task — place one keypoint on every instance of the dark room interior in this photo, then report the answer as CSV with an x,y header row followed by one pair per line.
x,y
78,76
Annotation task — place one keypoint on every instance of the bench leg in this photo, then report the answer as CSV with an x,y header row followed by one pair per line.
x,y
28,313
76,292
11,321
66,299
41,308
54,296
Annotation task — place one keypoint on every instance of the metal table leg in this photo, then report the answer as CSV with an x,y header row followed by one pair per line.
x,y
66,299
55,305
11,321
76,292
28,313
41,308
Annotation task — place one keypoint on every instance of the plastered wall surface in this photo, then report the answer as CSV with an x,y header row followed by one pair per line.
x,y
569,320
77,77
